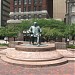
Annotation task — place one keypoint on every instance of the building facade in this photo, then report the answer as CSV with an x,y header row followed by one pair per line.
x,y
59,9
27,9
4,11
70,14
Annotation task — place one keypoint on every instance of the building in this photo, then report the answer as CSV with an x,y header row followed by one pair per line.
x,y
59,9
4,11
70,14
27,9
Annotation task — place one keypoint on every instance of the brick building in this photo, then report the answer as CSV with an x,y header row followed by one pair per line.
x,y
4,11
59,9
27,9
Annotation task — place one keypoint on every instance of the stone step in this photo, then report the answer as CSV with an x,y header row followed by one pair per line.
x,y
66,53
71,59
41,63
33,56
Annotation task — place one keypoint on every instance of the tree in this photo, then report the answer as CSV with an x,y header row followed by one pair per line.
x,y
50,28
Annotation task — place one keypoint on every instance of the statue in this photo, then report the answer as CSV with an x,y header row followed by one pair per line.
x,y
35,33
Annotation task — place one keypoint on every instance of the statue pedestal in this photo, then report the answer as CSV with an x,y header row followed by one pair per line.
x,y
32,55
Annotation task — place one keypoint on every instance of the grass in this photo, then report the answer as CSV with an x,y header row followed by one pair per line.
x,y
3,44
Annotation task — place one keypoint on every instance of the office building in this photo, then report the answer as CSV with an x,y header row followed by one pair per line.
x,y
4,11
27,9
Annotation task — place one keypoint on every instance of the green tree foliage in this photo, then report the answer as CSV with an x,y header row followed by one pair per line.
x,y
9,31
50,28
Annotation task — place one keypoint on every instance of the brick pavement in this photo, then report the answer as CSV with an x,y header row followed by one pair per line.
x,y
11,69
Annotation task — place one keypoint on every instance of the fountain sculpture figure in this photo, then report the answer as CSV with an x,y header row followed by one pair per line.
x,y
35,33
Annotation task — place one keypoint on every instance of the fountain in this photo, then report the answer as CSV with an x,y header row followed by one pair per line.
x,y
34,54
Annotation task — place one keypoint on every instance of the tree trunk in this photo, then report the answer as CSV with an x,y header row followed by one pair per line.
x,y
73,40
14,38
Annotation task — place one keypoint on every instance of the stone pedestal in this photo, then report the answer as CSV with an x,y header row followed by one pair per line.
x,y
12,44
60,45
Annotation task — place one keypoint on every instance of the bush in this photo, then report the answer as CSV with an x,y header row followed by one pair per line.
x,y
71,46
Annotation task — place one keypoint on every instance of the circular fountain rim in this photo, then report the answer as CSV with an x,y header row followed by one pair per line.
x,y
34,48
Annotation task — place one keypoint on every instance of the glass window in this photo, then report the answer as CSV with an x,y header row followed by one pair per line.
x,y
39,16
34,8
15,9
40,8
29,1
40,1
35,16
19,17
15,2
24,9
25,1
29,8
19,9
35,1
19,2
24,17
15,17
73,8
29,16
73,19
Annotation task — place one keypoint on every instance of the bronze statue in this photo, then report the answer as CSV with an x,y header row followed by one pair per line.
x,y
35,32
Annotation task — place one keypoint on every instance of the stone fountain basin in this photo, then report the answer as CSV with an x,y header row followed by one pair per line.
x,y
35,48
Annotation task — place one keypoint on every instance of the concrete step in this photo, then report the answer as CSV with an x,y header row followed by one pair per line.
x,y
71,59
66,53
33,56
41,63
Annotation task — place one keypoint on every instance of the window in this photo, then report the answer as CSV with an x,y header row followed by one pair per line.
x,y
35,16
35,1
25,1
12,17
15,9
19,9
24,16
24,9
29,8
15,2
19,2
34,8
40,1
40,8
29,1
15,17
73,8
39,16
29,16
73,19
19,17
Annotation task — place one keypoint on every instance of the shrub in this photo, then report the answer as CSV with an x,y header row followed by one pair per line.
x,y
71,46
